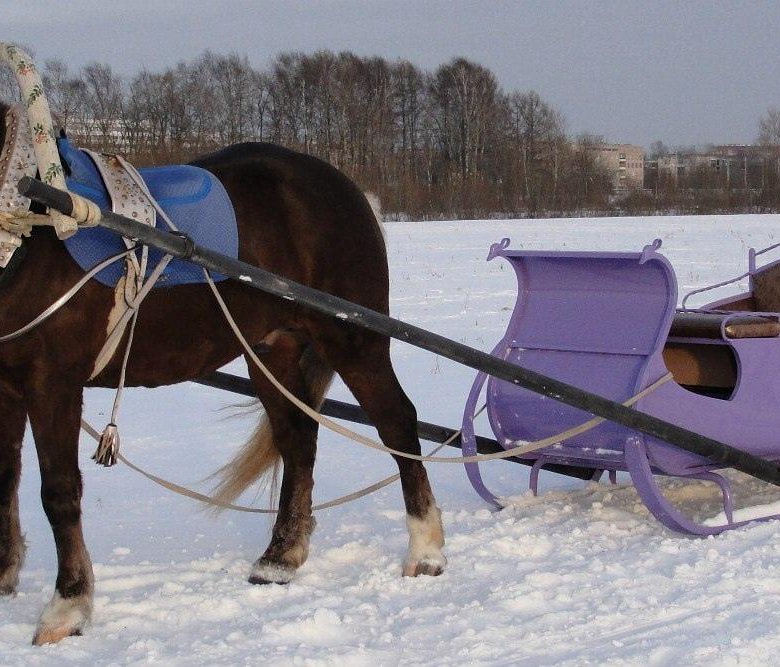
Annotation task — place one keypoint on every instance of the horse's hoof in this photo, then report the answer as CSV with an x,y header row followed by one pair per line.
x,y
62,617
266,572
54,635
9,579
8,583
431,567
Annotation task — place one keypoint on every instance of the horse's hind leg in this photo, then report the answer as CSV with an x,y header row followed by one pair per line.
x,y
363,362
55,411
295,438
11,540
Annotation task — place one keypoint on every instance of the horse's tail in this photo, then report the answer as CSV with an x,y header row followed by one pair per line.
x,y
259,456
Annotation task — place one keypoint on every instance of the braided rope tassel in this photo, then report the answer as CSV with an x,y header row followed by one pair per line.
x,y
107,451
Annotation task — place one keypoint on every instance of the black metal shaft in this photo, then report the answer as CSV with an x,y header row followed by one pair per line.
x,y
718,452
354,413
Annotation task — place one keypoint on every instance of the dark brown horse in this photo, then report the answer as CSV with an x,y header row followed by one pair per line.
x,y
298,217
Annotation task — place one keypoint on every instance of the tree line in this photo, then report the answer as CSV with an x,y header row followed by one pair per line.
x,y
448,143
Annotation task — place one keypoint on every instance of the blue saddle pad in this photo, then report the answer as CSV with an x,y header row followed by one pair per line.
x,y
193,198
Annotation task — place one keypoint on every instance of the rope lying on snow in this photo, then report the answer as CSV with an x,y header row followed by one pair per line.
x,y
208,500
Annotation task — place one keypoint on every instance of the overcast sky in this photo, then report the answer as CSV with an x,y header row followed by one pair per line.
x,y
684,72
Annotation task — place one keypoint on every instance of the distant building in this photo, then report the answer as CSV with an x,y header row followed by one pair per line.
x,y
735,166
626,164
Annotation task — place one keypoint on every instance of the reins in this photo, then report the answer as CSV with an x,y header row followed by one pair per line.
x,y
209,500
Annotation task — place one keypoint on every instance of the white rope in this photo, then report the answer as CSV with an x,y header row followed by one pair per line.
x,y
208,500
59,303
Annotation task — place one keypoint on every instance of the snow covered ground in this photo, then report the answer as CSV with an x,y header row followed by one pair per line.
x,y
580,575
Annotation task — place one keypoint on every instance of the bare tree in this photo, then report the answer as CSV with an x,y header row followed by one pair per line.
x,y
263,107
407,182
169,116
234,89
769,127
293,93
103,102
65,93
465,95
537,134
366,127
194,122
409,104
586,182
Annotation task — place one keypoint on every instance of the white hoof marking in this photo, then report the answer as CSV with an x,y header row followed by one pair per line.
x,y
63,617
426,539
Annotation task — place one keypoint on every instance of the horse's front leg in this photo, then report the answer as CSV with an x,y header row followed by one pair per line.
x,y
14,417
55,413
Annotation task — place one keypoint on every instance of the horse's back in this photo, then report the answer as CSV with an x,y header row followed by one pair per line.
x,y
263,167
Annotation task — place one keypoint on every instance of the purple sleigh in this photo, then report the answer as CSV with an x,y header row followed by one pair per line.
x,y
607,322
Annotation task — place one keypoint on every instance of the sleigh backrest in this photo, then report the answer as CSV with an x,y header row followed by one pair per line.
x,y
591,319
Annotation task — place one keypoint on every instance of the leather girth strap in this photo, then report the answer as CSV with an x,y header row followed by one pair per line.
x,y
128,198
